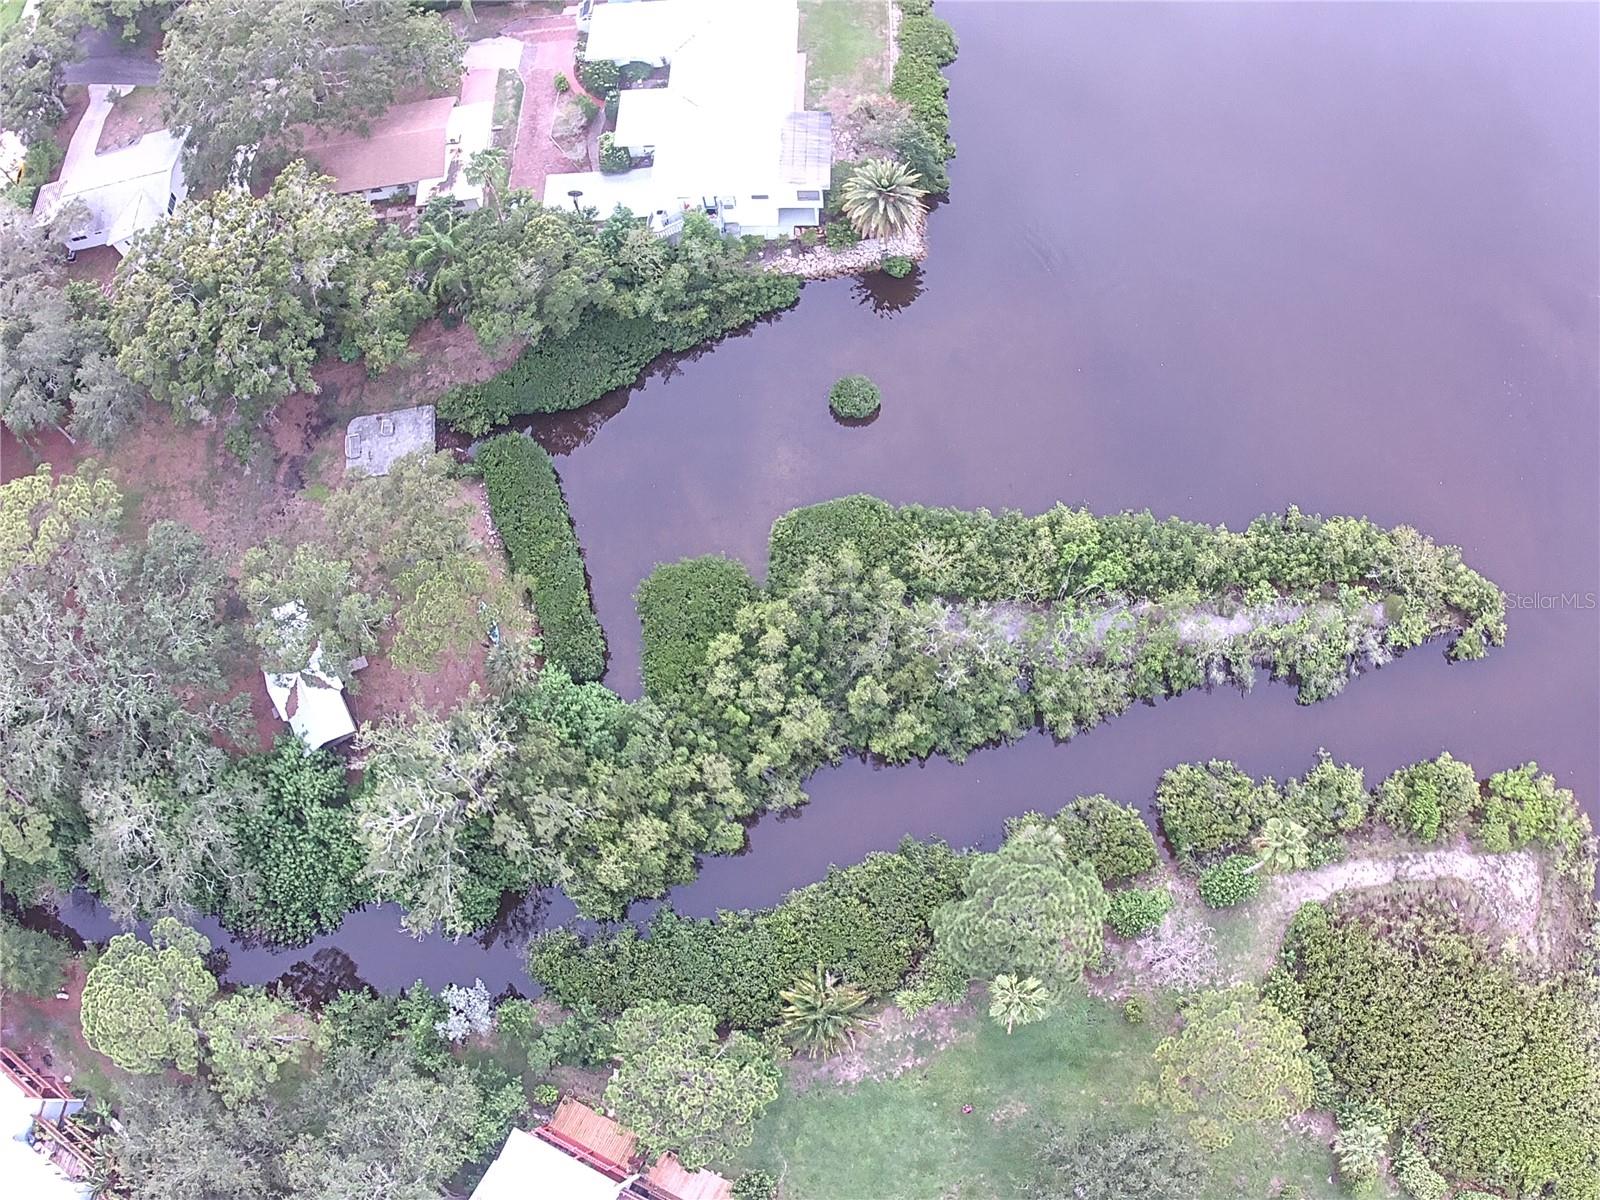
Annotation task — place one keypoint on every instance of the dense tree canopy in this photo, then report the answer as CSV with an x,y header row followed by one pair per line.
x,y
109,681
142,1001
34,52
1026,910
245,76
1235,1060
222,308
680,1089
54,354
250,1036
1496,1078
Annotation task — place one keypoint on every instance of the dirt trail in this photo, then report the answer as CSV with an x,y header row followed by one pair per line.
x,y
1198,947
1511,885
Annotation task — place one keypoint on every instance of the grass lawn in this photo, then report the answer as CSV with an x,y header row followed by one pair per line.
x,y
908,1137
846,43
10,13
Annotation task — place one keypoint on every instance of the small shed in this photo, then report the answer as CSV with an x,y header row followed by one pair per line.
x,y
310,700
375,442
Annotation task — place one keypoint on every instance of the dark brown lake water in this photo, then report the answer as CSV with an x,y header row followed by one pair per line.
x,y
1207,259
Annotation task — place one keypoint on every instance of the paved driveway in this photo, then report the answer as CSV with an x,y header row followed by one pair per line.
x,y
108,59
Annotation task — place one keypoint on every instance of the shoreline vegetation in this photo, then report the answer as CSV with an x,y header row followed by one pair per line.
x,y
899,633
894,632
1411,981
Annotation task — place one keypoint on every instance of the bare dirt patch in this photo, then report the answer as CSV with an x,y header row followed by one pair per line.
x,y
1510,899
894,1044
136,113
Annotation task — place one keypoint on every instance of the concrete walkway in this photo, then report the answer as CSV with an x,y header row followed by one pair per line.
x,y
81,149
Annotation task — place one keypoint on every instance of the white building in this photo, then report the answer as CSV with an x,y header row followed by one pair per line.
x,y
41,1158
528,1167
728,134
311,701
121,192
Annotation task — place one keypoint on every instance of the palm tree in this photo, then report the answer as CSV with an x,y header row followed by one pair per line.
x,y
883,198
436,252
821,1012
490,169
1284,845
1017,1001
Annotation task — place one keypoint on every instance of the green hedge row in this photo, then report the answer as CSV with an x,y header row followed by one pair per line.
x,y
868,923
927,44
531,516
608,352
603,355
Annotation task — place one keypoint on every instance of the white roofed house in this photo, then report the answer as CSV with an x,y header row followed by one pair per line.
x,y
110,198
728,134
311,700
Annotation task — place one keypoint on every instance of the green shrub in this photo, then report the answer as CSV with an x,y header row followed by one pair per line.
x,y
1136,911
1112,836
530,514
854,397
1522,807
1210,808
1134,1011
587,107
1429,799
840,235
936,980
298,840
867,923
563,84
755,1185
1229,882
599,75
38,164
682,606
1416,1175
1493,1075
608,352
1328,799
546,1095
898,266
614,159
31,961
926,45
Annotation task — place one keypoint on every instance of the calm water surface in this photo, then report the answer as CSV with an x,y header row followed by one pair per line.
x,y
1209,259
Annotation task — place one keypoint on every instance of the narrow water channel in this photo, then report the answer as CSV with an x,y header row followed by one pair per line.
x,y
1207,259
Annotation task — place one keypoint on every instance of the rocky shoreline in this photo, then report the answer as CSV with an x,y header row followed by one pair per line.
x,y
824,262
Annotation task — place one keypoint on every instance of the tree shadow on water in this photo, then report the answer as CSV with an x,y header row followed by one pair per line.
x,y
884,294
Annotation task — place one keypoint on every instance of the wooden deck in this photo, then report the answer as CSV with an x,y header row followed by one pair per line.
x,y
669,1176
578,1125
